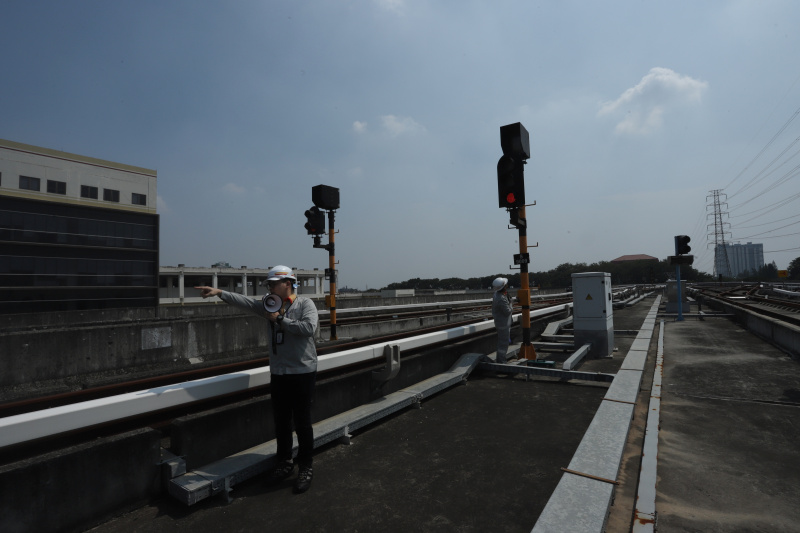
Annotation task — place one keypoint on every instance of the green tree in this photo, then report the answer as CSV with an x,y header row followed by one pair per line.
x,y
794,268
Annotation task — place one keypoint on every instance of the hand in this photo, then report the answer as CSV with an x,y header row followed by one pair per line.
x,y
272,317
205,292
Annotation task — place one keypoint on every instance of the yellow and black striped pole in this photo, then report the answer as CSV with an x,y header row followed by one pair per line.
x,y
332,270
524,294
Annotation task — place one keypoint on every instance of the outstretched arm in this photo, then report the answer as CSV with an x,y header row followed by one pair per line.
x,y
206,292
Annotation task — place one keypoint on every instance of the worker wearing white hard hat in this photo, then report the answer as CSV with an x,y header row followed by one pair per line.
x,y
501,311
281,272
293,322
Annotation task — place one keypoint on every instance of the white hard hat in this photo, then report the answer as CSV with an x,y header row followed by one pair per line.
x,y
499,283
280,272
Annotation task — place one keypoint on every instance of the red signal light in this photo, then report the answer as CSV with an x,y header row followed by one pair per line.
x,y
510,198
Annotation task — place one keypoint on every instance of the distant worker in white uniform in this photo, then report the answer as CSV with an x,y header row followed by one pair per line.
x,y
501,311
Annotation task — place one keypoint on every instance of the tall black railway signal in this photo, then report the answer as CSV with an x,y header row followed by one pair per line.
x,y
516,147
325,198
510,182
515,143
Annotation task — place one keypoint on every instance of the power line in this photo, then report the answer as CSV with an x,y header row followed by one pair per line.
x,y
785,125
754,179
776,205
772,237
783,179
767,223
770,231
785,250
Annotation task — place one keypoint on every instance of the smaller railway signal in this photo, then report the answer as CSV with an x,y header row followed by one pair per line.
x,y
682,244
315,224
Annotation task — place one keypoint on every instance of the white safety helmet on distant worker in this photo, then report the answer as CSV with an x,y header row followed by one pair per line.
x,y
280,272
499,283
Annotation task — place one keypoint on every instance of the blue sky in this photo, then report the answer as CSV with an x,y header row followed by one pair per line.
x,y
636,111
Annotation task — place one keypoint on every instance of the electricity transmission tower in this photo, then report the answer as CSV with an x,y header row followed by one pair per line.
x,y
722,265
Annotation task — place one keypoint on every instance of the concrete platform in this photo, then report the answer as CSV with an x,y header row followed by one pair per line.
x,y
488,456
728,456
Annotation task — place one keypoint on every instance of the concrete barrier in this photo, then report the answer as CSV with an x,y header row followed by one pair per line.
x,y
87,347
81,486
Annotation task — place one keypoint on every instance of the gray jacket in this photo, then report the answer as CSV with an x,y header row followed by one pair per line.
x,y
501,311
298,353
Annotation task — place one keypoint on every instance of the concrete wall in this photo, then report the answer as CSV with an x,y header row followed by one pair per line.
x,y
79,487
51,353
45,347
781,334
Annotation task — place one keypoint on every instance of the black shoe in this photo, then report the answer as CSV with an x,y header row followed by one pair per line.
x,y
303,481
283,470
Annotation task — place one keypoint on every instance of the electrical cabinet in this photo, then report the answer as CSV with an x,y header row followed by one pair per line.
x,y
593,312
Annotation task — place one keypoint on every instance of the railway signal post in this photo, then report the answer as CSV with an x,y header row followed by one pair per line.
x,y
681,257
325,198
515,143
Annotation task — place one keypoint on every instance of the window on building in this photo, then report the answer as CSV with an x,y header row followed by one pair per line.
x,y
56,187
88,192
30,184
139,199
110,195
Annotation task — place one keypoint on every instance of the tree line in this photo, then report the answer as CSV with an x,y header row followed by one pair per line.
x,y
622,273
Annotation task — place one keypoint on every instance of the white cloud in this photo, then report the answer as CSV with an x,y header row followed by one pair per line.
x,y
400,125
641,108
359,127
232,188
396,6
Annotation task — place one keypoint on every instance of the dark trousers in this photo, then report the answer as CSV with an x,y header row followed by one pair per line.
x,y
292,396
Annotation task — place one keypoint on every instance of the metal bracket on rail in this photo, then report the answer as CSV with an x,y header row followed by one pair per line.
x,y
345,438
417,402
226,492
391,352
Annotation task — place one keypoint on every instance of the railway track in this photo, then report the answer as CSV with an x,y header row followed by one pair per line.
x,y
748,297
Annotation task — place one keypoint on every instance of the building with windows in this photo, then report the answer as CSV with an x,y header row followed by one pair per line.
x,y
177,284
742,259
76,232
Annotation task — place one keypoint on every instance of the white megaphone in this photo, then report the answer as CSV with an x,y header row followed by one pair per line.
x,y
272,303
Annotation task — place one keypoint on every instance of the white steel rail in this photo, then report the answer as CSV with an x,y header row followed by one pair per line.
x,y
47,422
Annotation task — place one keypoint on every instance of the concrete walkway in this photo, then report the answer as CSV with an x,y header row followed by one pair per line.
x,y
729,452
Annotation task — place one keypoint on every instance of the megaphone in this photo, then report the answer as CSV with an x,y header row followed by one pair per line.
x,y
272,303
